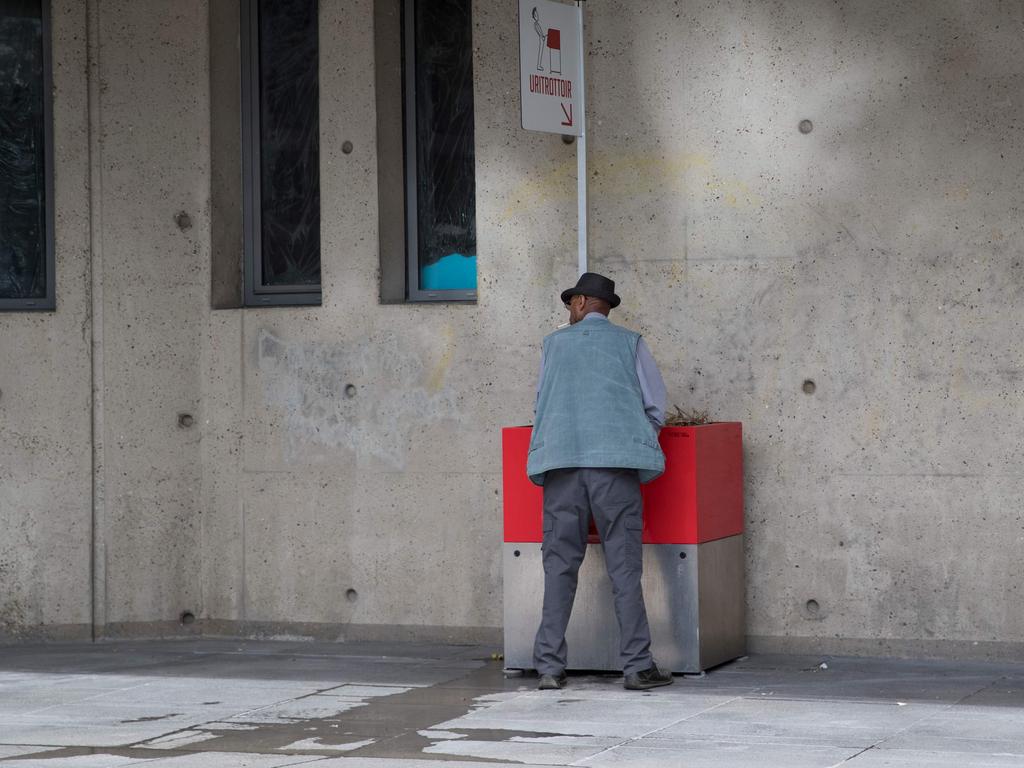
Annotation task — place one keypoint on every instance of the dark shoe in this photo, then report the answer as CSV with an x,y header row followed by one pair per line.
x,y
648,678
552,682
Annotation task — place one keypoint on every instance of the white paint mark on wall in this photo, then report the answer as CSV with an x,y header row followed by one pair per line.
x,y
394,394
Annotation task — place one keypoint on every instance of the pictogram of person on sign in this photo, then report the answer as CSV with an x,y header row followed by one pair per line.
x,y
552,40
542,39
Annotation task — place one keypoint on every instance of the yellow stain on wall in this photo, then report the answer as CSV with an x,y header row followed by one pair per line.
x,y
612,175
623,175
875,422
677,273
437,374
958,192
733,192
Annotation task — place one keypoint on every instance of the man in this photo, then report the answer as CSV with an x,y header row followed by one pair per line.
x,y
600,404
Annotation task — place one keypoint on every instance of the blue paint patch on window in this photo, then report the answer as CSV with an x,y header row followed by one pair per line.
x,y
454,272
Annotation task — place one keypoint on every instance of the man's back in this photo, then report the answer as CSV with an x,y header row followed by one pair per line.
x,y
590,408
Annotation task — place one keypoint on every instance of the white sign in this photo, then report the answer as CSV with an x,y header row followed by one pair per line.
x,y
550,66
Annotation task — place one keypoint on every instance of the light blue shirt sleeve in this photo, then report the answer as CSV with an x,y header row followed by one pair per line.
x,y
651,386
540,379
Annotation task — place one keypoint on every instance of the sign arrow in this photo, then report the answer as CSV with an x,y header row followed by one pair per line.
x,y
568,115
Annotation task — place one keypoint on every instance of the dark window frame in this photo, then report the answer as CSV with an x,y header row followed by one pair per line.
x,y
412,261
255,293
49,301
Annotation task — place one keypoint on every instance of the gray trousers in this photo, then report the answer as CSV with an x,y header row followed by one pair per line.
x,y
612,497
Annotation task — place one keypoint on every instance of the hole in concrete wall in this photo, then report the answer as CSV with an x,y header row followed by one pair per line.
x,y
351,595
350,391
806,126
187,618
682,555
183,220
185,420
812,607
809,387
516,553
566,139
346,147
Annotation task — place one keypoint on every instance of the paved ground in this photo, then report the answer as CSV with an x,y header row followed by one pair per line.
x,y
208,704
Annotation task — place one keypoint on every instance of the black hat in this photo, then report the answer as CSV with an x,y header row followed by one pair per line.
x,y
595,285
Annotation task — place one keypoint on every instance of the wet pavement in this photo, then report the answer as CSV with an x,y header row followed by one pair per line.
x,y
222,703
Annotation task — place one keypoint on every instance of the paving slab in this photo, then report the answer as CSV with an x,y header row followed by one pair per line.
x,y
527,751
964,729
229,760
102,759
854,678
850,687
13,751
179,739
567,712
56,734
27,701
900,758
1005,692
772,720
389,762
228,703
318,744
81,658
320,670
97,760
306,708
721,754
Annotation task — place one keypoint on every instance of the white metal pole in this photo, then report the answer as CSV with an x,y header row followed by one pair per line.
x,y
581,151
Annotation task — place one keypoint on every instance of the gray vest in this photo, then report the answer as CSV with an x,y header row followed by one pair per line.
x,y
590,410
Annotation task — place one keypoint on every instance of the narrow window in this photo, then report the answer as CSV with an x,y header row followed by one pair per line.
x,y
27,279
281,152
440,172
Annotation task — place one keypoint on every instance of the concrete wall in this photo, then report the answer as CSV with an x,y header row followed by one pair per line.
x,y
878,255
130,135
45,400
153,128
